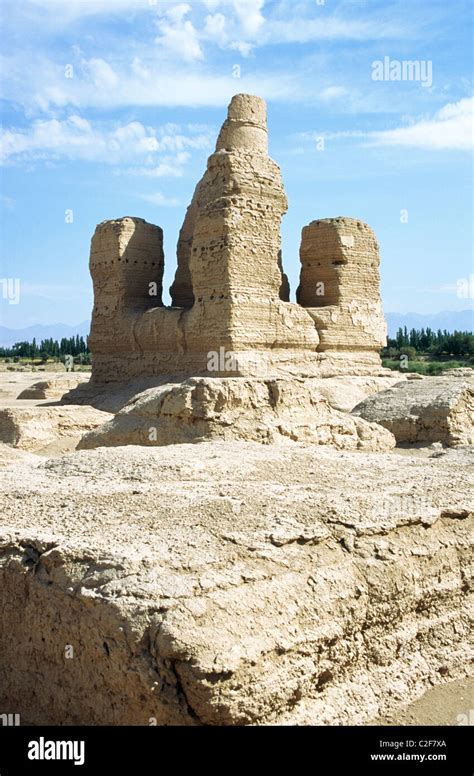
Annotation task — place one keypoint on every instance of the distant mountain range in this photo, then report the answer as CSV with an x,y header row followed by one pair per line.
x,y
463,320
56,331
451,321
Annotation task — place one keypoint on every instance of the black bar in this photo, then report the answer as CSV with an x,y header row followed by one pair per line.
x,y
316,750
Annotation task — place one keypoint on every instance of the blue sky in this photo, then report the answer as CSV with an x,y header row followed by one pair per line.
x,y
111,108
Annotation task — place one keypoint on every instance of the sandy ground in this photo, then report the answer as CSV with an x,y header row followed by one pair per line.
x,y
13,383
449,704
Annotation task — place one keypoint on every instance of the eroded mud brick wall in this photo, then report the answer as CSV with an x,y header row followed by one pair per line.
x,y
340,285
126,257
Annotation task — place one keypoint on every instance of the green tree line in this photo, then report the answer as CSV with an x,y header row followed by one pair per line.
x,y
422,341
434,343
48,348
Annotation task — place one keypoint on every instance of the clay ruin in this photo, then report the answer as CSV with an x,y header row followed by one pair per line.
x,y
339,288
230,295
293,567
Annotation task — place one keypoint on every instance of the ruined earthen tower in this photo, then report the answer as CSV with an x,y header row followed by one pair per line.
x,y
339,287
230,293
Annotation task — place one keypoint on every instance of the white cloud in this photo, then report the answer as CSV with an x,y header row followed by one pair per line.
x,y
215,28
77,138
70,10
305,30
103,75
333,92
172,38
158,198
43,85
249,15
289,24
7,202
451,128
177,12
169,167
244,27
243,47
240,30
179,36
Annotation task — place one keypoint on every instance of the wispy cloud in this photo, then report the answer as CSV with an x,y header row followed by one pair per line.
x,y
333,92
7,202
77,138
96,83
253,21
178,44
178,34
169,167
449,129
160,199
304,30
71,10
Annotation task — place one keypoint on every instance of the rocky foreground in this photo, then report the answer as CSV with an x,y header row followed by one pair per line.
x,y
232,582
